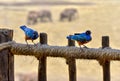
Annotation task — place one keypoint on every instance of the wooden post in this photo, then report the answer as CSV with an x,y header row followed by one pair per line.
x,y
42,61
106,64
6,58
71,64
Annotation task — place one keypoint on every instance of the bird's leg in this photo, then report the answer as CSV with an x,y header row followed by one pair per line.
x,y
81,48
26,38
33,42
79,43
26,42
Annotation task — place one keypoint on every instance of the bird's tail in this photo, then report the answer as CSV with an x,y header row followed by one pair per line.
x,y
69,37
23,27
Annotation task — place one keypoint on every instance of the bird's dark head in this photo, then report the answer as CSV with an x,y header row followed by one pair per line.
x,y
35,35
88,32
23,27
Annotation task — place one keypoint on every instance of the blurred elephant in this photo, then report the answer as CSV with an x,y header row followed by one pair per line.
x,y
32,17
44,15
69,13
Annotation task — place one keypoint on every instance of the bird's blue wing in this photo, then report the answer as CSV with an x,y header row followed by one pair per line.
x,y
29,32
84,38
78,37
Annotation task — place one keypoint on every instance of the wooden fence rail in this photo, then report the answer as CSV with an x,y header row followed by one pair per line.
x,y
42,50
62,51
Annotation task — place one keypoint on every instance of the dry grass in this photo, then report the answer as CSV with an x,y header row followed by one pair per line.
x,y
101,19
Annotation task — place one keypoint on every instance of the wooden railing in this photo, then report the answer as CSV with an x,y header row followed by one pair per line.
x,y
42,50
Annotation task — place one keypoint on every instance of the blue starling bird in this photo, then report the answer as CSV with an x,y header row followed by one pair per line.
x,y
81,38
30,34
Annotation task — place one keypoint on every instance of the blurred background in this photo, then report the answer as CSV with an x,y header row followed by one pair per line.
x,y
59,18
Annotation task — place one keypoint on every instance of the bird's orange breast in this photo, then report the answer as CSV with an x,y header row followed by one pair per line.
x,y
27,38
81,43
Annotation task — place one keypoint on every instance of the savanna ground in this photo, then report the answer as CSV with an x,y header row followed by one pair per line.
x,y
102,19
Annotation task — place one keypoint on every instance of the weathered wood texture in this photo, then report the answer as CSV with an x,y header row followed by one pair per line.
x,y
6,45
62,51
42,51
65,52
106,64
6,58
71,64
42,60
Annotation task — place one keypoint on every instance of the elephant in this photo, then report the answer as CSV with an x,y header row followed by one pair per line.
x,y
69,14
44,15
32,17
